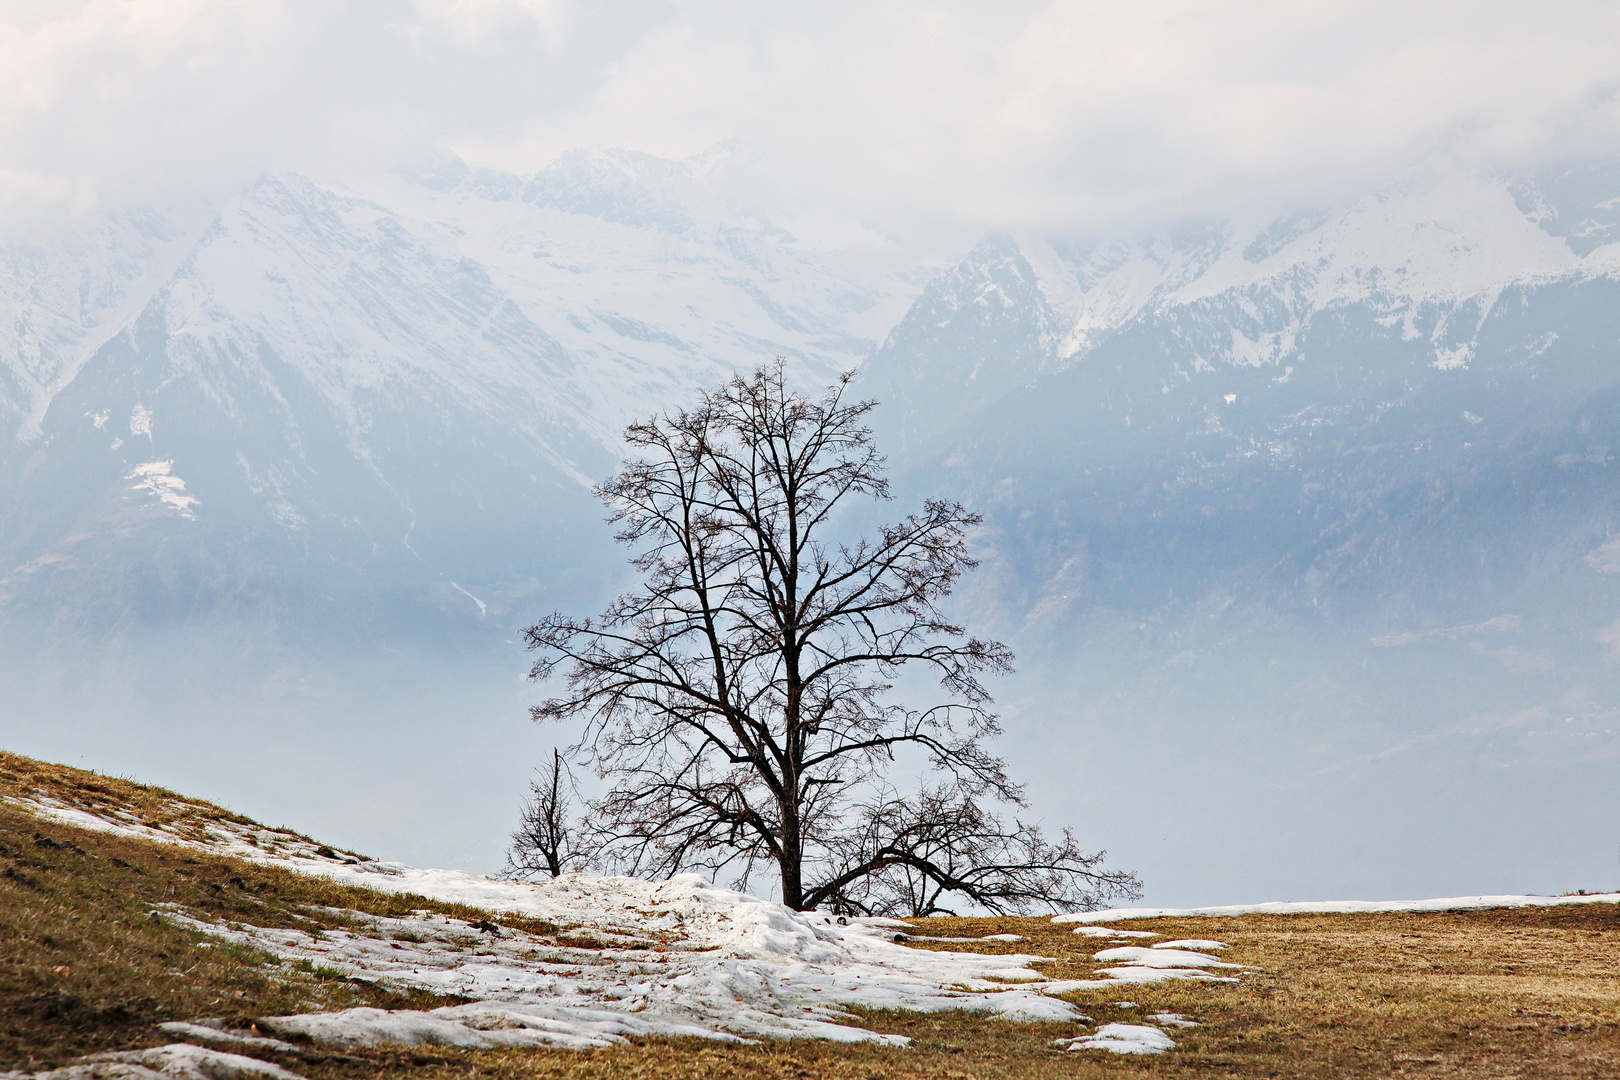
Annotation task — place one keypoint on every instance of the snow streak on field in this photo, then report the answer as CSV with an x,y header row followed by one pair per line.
x,y
1327,907
632,958
177,1061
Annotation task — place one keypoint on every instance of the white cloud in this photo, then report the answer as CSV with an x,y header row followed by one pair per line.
x,y
916,116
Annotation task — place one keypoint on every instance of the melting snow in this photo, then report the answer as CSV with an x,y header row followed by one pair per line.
x,y
1103,931
1202,944
1171,1019
1160,957
679,957
178,1061
1122,1039
215,1031
481,1025
1344,907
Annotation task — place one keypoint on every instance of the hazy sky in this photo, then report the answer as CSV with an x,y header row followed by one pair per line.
x,y
902,115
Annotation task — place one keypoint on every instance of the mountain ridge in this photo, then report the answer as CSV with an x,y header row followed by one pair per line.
x,y
344,450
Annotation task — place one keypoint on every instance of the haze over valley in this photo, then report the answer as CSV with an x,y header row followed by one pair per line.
x,y
1302,511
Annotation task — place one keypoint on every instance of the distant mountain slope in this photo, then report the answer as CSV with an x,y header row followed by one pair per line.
x,y
977,332
1323,510
1309,370
317,389
303,462
1314,509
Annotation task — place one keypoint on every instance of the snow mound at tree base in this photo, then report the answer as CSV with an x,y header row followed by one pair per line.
x,y
679,957
630,958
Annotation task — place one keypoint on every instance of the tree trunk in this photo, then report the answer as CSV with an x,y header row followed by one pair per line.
x,y
792,859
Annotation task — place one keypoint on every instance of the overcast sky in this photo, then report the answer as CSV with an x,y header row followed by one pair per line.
x,y
906,116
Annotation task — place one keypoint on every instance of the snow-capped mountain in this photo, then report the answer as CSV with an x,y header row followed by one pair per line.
x,y
1426,262
1318,509
406,387
1420,339
1317,503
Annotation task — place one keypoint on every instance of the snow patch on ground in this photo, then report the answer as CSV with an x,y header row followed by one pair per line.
x,y
481,1025
177,1061
1159,957
631,958
215,1031
1137,966
1342,907
1103,931
677,958
1122,1039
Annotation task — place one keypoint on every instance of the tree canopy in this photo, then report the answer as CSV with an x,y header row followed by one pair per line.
x,y
740,700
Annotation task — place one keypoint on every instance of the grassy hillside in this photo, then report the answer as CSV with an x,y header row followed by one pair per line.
x,y
89,962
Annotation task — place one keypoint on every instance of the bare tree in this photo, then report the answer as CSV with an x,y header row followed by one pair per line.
x,y
739,699
911,853
546,842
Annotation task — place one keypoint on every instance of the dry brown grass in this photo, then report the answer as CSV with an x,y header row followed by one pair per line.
x,y
24,777
1519,993
84,964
